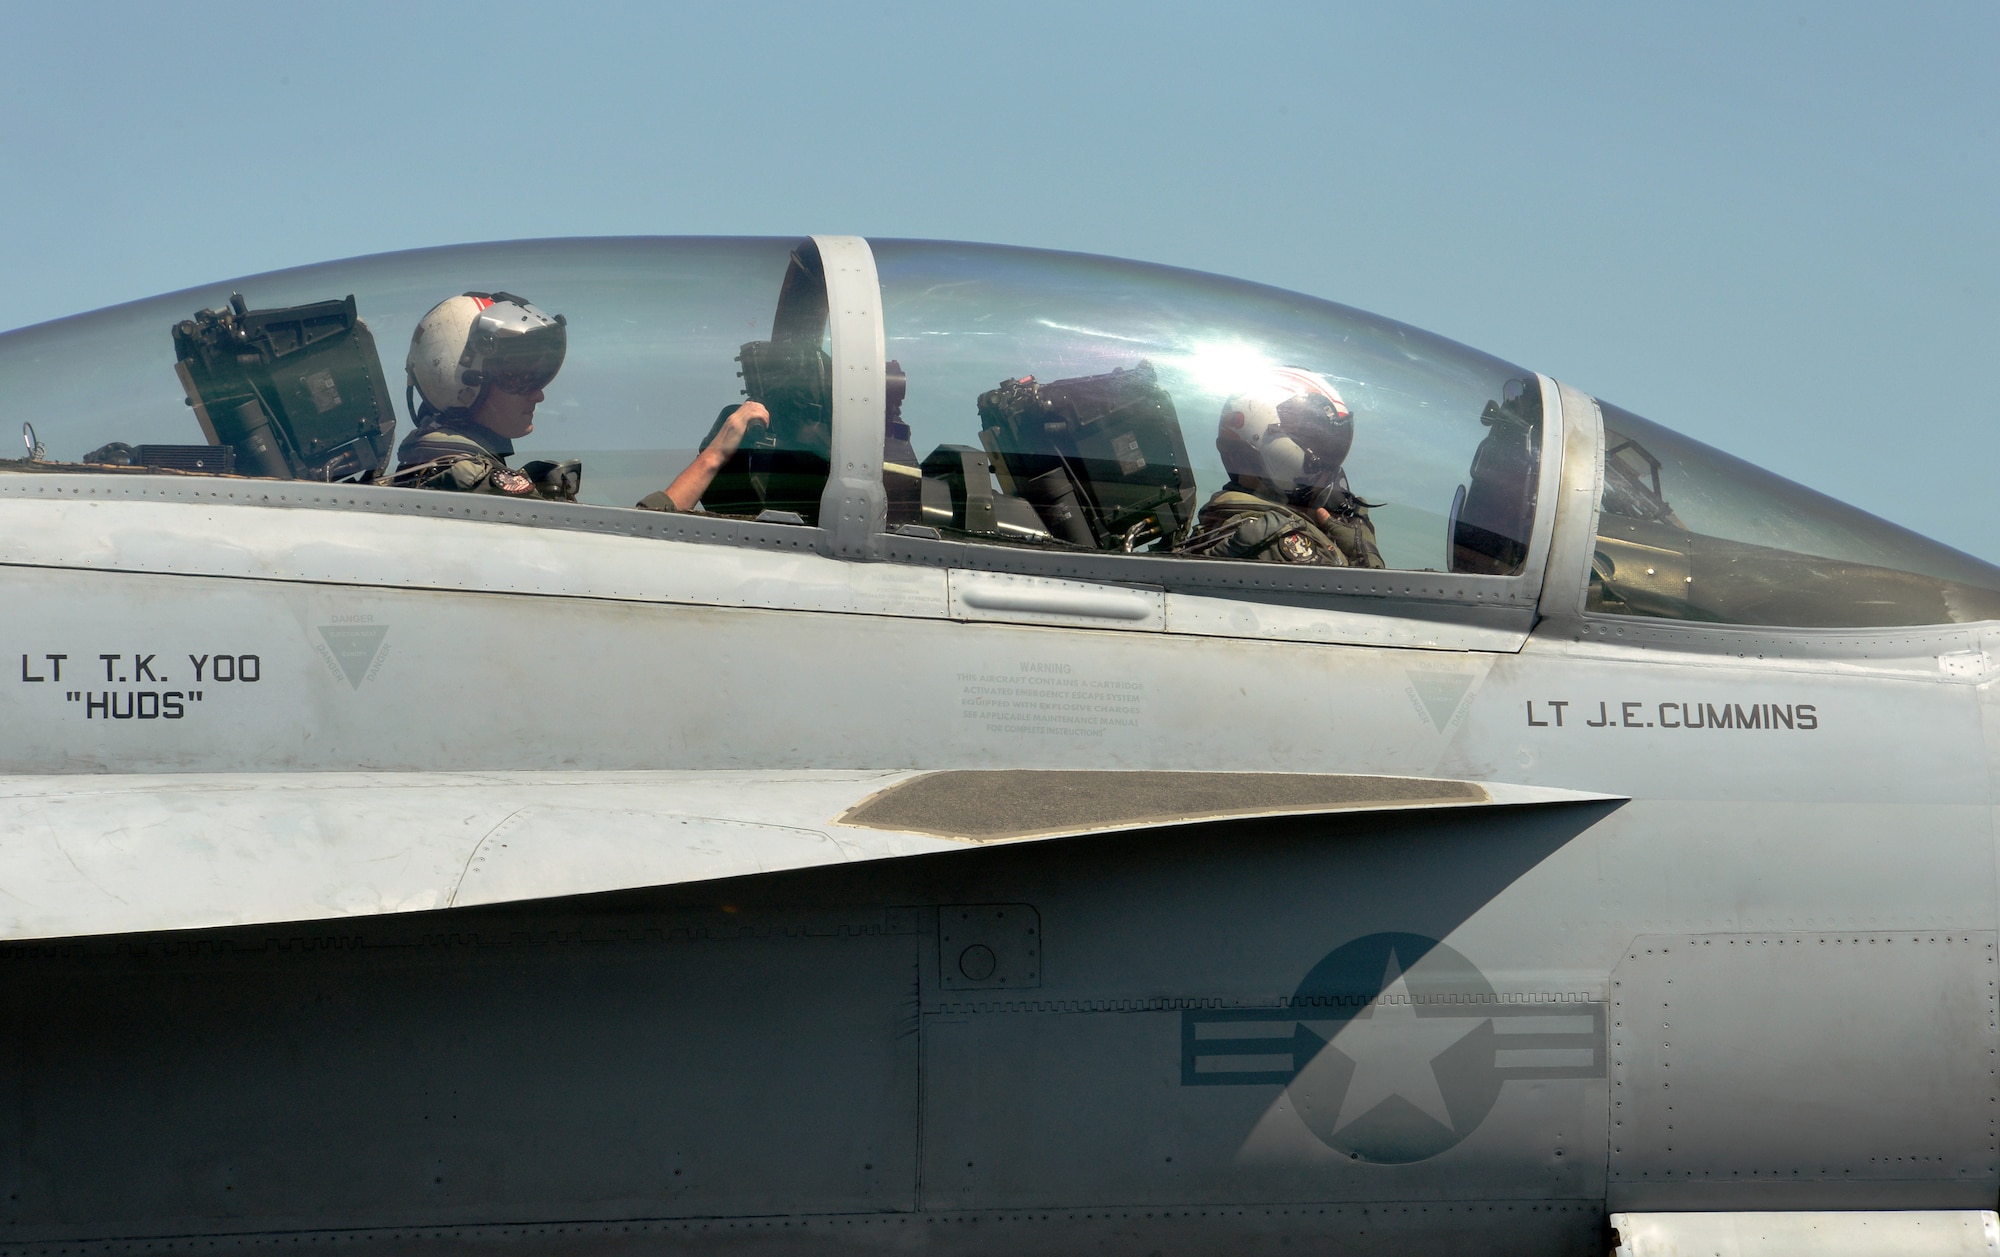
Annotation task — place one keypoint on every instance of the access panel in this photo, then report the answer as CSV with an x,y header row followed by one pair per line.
x,y
1772,1071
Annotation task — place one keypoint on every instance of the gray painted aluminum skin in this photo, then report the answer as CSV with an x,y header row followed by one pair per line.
x,y
521,878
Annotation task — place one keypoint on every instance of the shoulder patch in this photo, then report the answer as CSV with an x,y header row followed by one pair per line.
x,y
1295,548
509,481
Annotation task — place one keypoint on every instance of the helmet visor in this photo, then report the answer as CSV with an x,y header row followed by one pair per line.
x,y
525,359
1323,429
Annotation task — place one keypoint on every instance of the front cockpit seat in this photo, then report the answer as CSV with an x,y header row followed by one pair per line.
x,y
1100,457
959,495
1493,517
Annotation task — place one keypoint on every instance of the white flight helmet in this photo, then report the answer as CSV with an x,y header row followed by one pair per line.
x,y
1291,431
480,340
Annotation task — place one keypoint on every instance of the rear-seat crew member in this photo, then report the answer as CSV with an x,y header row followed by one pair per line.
x,y
1287,501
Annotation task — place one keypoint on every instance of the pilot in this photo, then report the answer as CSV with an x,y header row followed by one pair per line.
x,y
481,362
1287,501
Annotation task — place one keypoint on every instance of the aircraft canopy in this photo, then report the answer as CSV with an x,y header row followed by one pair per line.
x,y
1033,403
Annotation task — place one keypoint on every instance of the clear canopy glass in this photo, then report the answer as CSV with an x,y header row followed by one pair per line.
x,y
1687,532
655,329
1036,399
1445,440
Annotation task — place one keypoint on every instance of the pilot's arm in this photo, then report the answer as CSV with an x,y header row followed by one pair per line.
x,y
687,488
1274,536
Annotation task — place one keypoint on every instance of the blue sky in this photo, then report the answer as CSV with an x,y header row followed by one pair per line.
x,y
1771,226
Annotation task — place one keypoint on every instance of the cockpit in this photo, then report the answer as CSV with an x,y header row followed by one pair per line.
x,y
1686,532
1013,409
1082,402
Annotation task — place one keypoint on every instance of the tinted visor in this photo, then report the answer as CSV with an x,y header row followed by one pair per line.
x,y
524,359
1323,430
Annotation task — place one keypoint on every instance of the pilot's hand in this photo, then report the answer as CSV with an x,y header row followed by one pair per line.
x,y
687,488
747,417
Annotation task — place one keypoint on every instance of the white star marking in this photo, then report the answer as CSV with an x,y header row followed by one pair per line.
x,y
1392,1049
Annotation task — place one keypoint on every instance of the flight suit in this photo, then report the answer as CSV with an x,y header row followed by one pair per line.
x,y
468,457
1239,524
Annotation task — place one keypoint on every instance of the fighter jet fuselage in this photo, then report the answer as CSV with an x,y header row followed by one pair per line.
x,y
957,834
